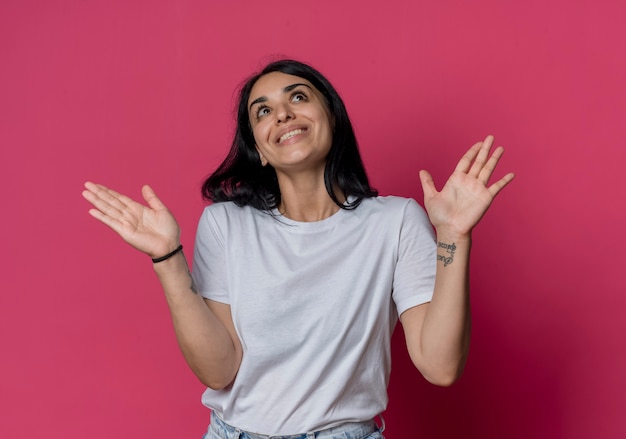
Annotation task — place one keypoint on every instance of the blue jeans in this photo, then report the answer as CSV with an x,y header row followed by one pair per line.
x,y
218,429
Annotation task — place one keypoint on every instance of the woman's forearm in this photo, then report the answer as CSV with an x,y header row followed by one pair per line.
x,y
202,334
440,350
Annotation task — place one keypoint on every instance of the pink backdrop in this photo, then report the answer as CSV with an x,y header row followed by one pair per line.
x,y
129,92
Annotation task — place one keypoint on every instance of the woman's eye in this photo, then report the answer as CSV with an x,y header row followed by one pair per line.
x,y
262,111
297,97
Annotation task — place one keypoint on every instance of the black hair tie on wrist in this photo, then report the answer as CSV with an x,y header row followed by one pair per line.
x,y
169,255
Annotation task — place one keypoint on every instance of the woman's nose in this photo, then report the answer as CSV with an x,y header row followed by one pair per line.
x,y
283,113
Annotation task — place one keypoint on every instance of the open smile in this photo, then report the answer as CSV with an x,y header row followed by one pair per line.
x,y
290,134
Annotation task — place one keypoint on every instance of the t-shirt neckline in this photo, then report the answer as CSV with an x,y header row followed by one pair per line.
x,y
311,226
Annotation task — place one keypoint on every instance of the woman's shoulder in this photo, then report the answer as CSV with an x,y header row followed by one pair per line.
x,y
231,211
391,203
228,207
394,207
226,217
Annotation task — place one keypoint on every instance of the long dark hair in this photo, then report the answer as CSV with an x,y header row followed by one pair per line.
x,y
242,179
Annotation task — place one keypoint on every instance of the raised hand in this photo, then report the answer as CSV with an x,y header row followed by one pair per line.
x,y
151,229
465,197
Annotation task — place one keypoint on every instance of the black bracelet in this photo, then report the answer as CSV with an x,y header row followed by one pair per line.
x,y
169,255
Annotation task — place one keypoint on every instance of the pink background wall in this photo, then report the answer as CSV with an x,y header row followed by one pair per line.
x,y
126,93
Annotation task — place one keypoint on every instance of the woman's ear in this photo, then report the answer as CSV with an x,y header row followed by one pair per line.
x,y
261,156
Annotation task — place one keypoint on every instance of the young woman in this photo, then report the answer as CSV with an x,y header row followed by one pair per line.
x,y
301,271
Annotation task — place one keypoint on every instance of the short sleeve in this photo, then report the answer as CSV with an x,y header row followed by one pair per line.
x,y
209,266
414,276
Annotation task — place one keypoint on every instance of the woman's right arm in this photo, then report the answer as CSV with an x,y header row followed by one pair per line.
x,y
204,328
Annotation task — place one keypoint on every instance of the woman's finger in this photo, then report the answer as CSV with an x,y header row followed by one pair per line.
x,y
495,188
107,220
112,197
428,185
490,166
481,157
151,198
101,204
465,163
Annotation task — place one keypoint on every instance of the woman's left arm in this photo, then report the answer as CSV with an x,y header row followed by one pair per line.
x,y
438,333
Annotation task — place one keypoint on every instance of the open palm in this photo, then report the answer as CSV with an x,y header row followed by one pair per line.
x,y
151,229
465,197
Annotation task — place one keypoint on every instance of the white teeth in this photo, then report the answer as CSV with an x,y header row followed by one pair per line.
x,y
290,134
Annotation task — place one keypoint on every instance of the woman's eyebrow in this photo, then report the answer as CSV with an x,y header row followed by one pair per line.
x,y
292,86
286,89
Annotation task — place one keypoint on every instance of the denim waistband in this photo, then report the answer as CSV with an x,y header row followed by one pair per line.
x,y
349,430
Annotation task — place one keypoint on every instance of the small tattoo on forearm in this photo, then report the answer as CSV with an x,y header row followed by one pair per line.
x,y
450,249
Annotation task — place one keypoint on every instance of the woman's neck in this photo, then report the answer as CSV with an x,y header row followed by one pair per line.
x,y
306,199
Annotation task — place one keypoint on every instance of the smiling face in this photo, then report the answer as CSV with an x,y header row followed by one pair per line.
x,y
291,123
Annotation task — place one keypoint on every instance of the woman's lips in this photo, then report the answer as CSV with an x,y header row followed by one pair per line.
x,y
291,133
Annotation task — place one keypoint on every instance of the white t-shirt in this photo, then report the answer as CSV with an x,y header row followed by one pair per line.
x,y
314,305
